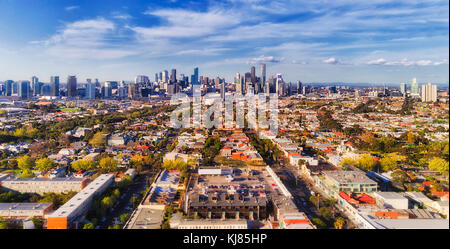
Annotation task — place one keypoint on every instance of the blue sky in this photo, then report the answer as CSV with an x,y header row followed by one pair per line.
x,y
376,41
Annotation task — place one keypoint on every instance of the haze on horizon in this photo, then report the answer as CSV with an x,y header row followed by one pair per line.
x,y
312,41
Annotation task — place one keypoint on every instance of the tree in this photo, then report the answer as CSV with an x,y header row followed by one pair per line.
x,y
314,200
348,161
178,164
124,217
399,176
126,181
89,225
108,164
38,222
367,162
326,213
27,173
339,223
98,140
45,164
25,162
439,164
83,164
318,223
3,224
388,163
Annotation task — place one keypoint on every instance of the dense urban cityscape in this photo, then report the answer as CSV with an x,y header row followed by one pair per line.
x,y
106,155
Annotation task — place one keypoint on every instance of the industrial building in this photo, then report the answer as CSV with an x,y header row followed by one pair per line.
x,y
73,211
43,185
24,210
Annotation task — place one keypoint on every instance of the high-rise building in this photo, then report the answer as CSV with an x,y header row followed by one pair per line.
x,y
237,83
9,87
71,86
173,76
107,90
54,86
414,87
279,84
248,77
132,91
253,74
90,90
141,80
35,87
23,89
429,93
165,76
403,88
195,79
222,91
263,75
299,87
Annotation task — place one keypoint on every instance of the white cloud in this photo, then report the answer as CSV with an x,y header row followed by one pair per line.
x,y
85,39
406,62
179,23
264,59
70,8
331,60
121,16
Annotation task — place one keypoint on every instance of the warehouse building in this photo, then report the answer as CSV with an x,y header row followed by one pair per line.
x,y
73,211
43,185
20,211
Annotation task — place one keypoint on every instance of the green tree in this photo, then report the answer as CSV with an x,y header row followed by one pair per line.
x,y
124,217
26,173
3,224
367,162
108,164
83,164
326,213
45,164
98,140
38,222
318,223
89,225
314,200
439,164
339,223
399,177
25,162
388,163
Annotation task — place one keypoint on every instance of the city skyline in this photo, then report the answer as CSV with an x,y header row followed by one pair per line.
x,y
118,41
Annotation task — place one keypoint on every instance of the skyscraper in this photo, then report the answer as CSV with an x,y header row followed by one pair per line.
x,y
132,90
253,74
299,87
263,75
429,93
90,90
54,86
414,87
107,90
222,91
403,88
23,89
279,84
165,76
9,87
71,86
195,82
35,85
173,76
